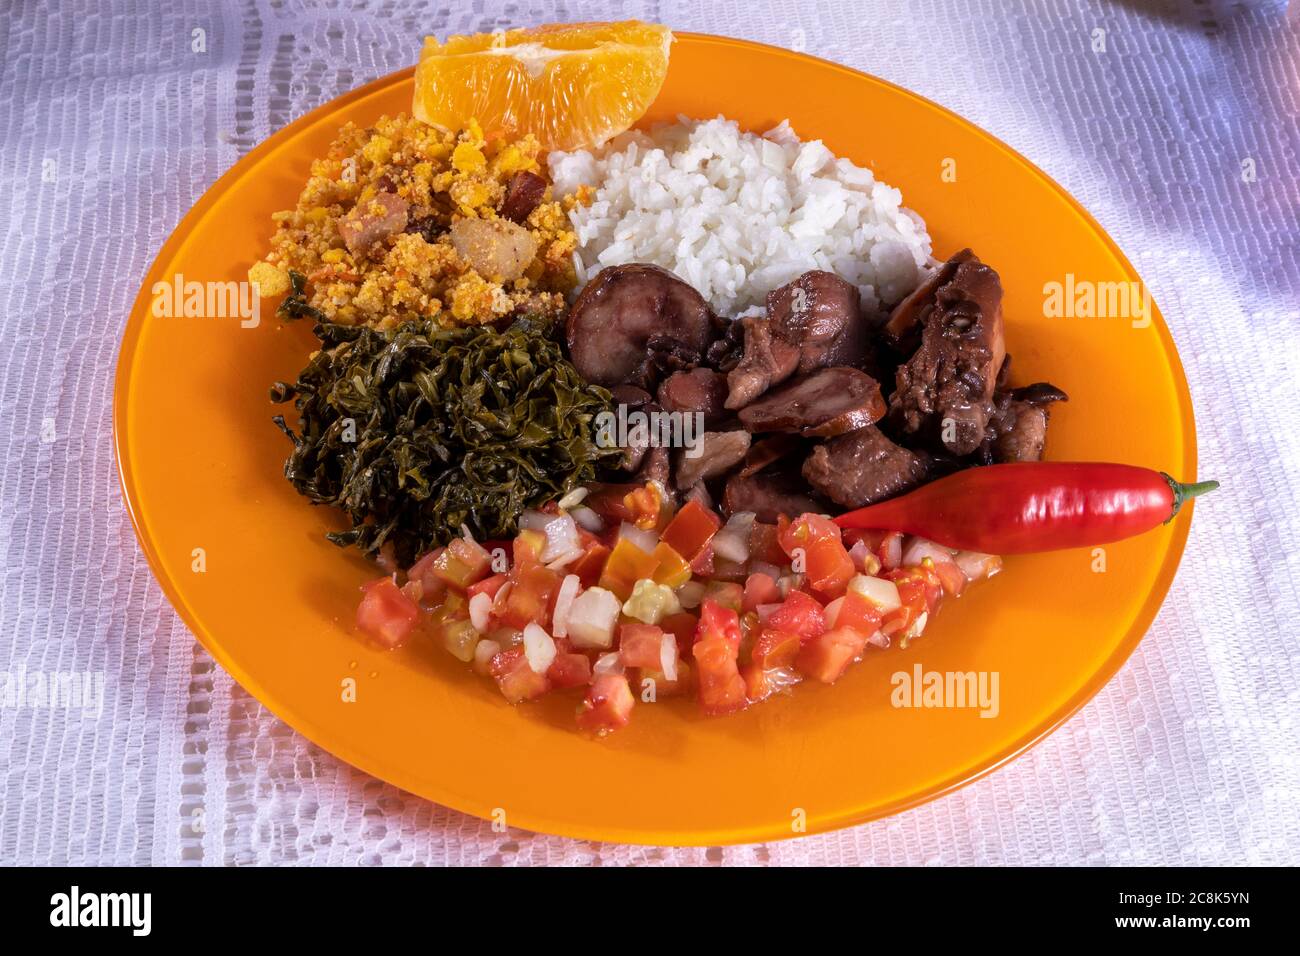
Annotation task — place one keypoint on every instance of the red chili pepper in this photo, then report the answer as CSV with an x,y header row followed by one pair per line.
x,y
1033,506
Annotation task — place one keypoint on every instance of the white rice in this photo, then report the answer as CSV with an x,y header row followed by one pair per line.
x,y
737,215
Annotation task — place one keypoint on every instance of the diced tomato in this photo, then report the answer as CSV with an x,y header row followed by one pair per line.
x,y
800,614
682,626
760,589
920,590
702,565
727,593
671,568
775,648
532,586
422,571
591,565
762,683
807,527
528,547
827,656
646,504
640,645
626,565
951,577
607,501
718,621
517,681
663,686
691,529
462,563
765,544
386,614
569,669
859,613
608,705
489,586
827,565
721,688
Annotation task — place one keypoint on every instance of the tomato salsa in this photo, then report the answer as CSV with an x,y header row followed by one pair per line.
x,y
620,597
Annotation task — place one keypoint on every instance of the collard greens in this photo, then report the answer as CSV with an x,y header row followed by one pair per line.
x,y
415,431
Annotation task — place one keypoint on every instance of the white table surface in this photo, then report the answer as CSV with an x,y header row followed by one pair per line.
x,y
111,127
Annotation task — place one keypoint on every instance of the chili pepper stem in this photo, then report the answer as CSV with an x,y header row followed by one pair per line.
x,y
1185,491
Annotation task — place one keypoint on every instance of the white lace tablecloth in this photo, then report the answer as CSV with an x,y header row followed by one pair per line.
x,y
111,126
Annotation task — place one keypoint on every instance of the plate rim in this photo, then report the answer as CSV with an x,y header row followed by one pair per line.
x,y
377,767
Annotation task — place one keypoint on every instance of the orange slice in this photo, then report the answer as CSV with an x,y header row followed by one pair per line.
x,y
571,85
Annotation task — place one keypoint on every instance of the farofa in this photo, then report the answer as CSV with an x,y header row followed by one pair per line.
x,y
416,272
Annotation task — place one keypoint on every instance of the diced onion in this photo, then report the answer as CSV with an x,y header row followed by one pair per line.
x,y
539,649
762,567
892,556
611,663
977,566
561,538
690,594
787,583
588,520
860,553
832,612
563,605
918,549
480,611
533,520
668,657
573,499
564,560
883,594
593,617
766,610
880,639
647,541
484,651
732,542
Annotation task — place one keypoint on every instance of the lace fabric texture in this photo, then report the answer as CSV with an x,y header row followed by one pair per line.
x,y
112,124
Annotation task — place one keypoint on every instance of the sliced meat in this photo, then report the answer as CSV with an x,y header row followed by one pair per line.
x,y
944,392
726,350
496,249
769,496
656,466
524,191
768,360
768,451
698,390
630,396
719,452
664,356
814,322
822,314
906,318
862,468
829,402
615,316
373,221
1018,428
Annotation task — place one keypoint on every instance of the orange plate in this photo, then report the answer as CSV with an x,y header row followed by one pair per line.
x,y
201,468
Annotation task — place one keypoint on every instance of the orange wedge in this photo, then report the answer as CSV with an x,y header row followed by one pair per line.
x,y
571,85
